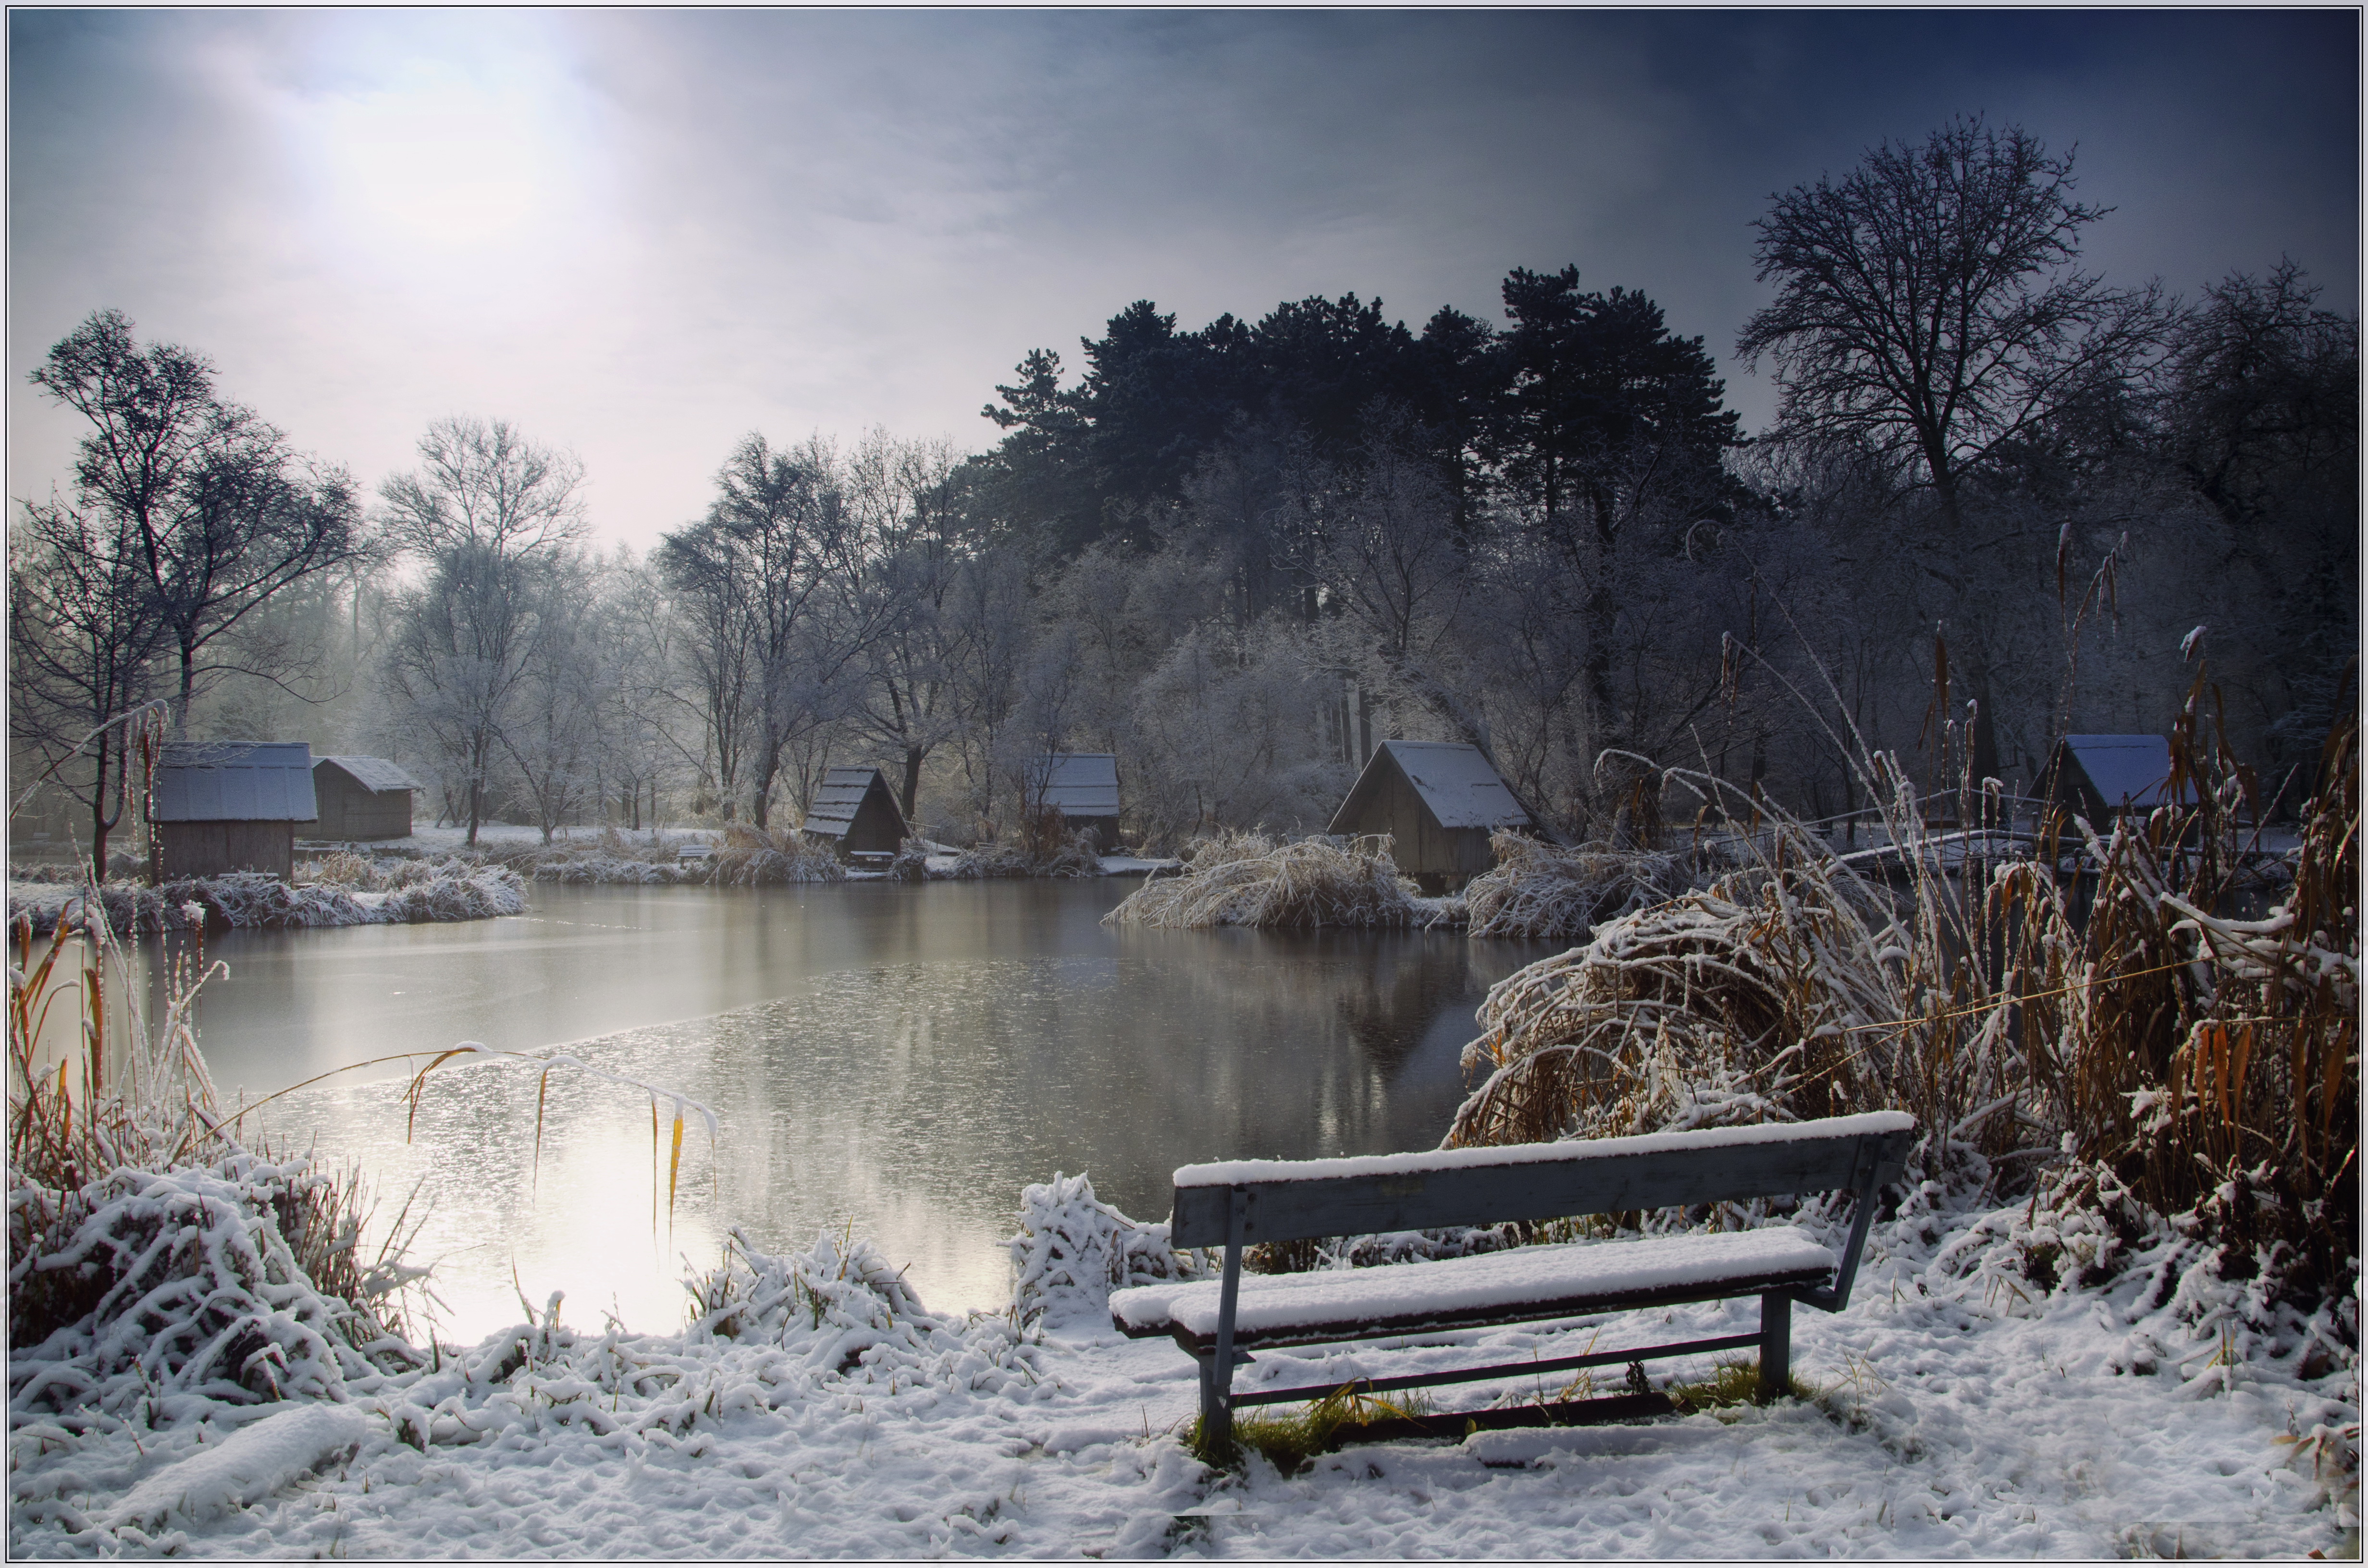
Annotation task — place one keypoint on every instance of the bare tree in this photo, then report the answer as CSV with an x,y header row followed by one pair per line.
x,y
491,512
1929,311
223,513
83,632
784,604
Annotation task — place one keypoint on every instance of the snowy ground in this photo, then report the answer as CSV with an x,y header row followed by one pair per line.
x,y
1958,1419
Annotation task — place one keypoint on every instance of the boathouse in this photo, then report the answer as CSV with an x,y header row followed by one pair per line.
x,y
2103,776
220,806
1440,801
1083,787
362,798
855,812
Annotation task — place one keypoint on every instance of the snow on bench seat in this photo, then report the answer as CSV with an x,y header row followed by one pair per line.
x,y
1532,1282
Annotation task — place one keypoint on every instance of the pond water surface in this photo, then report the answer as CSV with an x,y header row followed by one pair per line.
x,y
896,1060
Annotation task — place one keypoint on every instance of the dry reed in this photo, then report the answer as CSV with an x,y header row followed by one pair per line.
x,y
1248,878
2091,1012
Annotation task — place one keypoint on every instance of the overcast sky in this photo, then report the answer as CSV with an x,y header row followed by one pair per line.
x,y
641,234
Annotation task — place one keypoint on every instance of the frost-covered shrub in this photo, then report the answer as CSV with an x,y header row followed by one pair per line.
x,y
1248,878
145,1284
912,862
990,857
482,894
1073,1250
1538,889
597,869
1054,851
842,1285
755,857
418,891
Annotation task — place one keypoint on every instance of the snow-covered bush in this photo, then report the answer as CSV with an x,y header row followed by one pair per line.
x,y
1248,878
483,893
759,858
146,1284
1055,850
912,862
842,1287
1073,1250
417,892
1538,889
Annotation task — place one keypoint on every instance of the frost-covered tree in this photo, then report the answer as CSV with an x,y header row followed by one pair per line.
x,y
492,515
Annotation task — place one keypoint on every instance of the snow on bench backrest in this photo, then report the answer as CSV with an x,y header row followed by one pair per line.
x,y
1375,1193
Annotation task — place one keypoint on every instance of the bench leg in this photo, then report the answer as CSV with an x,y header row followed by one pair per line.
x,y
1217,1366
1775,1345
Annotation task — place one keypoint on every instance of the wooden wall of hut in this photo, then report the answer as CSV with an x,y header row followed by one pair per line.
x,y
179,849
352,812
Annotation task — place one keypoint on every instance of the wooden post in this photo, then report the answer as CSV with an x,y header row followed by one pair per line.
x,y
1775,1345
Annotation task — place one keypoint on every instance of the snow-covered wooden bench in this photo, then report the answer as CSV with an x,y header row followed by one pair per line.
x,y
1236,1202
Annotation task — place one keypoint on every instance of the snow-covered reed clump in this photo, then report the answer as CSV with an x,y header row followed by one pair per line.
x,y
754,857
416,893
1051,849
143,1286
1248,878
1540,889
1073,1250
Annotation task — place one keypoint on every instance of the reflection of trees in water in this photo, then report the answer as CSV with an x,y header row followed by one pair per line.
x,y
1400,997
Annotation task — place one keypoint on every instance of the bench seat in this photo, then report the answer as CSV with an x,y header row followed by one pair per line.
x,y
1522,1284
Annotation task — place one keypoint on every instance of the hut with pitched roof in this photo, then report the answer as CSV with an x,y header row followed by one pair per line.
x,y
1440,801
2103,776
1083,787
219,806
855,812
362,798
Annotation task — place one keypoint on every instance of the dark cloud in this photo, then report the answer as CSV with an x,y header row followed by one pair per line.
x,y
643,232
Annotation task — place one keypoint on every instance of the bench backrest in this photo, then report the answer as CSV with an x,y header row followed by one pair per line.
x,y
1290,1200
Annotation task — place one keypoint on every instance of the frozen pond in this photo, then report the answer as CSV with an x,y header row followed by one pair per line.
x,y
899,1059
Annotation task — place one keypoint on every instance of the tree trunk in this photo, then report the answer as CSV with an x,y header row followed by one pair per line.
x,y
913,758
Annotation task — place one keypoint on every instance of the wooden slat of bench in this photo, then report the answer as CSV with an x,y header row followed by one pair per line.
x,y
1522,1285
1499,1371
1586,1183
1535,1311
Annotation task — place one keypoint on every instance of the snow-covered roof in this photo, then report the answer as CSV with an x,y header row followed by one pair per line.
x,y
234,781
372,773
838,800
1081,783
2131,769
1456,782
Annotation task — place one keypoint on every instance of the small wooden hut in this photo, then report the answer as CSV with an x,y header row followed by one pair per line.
x,y
228,806
2103,776
855,812
1440,801
362,798
1083,787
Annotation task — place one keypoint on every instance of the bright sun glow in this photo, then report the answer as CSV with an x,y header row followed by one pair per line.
x,y
429,161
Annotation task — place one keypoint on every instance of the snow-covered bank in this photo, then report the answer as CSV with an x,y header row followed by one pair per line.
x,y
252,899
816,1409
